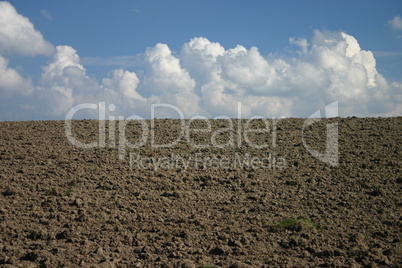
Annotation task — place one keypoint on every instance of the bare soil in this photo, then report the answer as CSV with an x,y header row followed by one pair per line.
x,y
65,206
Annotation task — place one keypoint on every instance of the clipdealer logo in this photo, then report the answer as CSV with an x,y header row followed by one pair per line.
x,y
331,155
236,138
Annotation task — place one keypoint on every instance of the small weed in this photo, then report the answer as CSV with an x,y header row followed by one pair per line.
x,y
49,192
96,168
69,192
295,224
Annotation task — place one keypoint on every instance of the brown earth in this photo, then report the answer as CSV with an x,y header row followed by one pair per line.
x,y
65,206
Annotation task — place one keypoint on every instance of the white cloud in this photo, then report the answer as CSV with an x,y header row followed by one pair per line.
x,y
64,83
331,66
119,88
65,57
206,79
11,82
166,81
124,83
18,35
396,23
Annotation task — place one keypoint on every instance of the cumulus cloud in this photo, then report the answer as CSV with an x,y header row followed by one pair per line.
x,y
396,23
123,83
11,82
63,83
119,88
206,79
165,81
329,67
18,35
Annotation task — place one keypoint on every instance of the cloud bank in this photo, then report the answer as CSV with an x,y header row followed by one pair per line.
x,y
203,78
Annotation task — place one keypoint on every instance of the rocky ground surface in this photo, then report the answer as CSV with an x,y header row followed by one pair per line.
x,y
222,197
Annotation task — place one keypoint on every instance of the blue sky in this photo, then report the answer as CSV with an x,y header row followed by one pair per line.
x,y
108,36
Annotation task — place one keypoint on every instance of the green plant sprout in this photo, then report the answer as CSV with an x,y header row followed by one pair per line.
x,y
294,224
69,192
